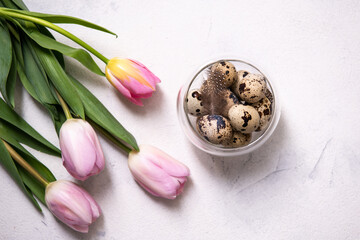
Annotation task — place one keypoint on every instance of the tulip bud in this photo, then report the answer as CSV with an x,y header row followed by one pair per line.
x,y
157,172
81,151
131,78
72,205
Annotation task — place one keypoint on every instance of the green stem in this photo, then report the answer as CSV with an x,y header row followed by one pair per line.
x,y
64,106
116,141
57,29
21,161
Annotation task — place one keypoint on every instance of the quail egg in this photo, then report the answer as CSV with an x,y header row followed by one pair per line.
x,y
236,85
231,100
244,118
238,140
214,128
252,88
228,69
194,103
264,109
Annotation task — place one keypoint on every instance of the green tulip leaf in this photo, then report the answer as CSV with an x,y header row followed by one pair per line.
x,y
98,113
36,74
33,186
5,59
21,72
18,52
55,110
11,82
11,168
77,53
57,54
20,4
36,164
7,129
62,19
26,132
57,116
60,80
9,4
26,83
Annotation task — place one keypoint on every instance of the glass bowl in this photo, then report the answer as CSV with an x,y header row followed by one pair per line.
x,y
188,121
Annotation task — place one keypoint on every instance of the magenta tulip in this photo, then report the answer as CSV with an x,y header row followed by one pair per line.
x,y
131,78
72,205
157,172
81,151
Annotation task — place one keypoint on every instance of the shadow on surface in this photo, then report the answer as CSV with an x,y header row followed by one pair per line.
x,y
151,105
242,171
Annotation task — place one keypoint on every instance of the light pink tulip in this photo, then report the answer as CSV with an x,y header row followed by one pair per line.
x,y
157,172
131,78
72,205
81,151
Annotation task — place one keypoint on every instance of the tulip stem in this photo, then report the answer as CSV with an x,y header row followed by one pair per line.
x,y
3,11
64,106
116,141
25,164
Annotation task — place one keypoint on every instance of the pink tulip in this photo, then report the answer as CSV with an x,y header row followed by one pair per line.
x,y
81,151
72,205
131,78
157,172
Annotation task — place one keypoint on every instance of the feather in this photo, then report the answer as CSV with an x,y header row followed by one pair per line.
x,y
213,91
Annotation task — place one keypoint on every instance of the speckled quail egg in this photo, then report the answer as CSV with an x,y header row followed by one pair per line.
x,y
244,118
228,69
231,100
238,140
194,103
251,88
214,128
264,109
236,85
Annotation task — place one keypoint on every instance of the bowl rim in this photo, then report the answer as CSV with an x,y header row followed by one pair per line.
x,y
214,149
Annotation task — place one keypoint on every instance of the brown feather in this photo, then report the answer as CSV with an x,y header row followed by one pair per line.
x,y
213,91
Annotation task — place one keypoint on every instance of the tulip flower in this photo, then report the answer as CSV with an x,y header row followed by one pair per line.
x,y
131,78
81,151
157,172
72,205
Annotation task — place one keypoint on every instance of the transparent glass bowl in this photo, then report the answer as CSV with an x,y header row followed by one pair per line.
x,y
187,121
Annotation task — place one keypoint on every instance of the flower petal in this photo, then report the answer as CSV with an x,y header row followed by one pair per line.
x,y
81,151
172,166
157,172
71,204
131,78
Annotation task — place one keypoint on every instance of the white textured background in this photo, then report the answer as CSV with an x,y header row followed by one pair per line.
x,y
304,183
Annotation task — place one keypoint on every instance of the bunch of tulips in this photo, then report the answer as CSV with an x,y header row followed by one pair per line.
x,y
29,52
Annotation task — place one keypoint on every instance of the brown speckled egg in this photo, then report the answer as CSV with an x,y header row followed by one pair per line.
x,y
244,118
236,85
214,128
231,100
238,140
194,103
228,69
264,109
251,88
